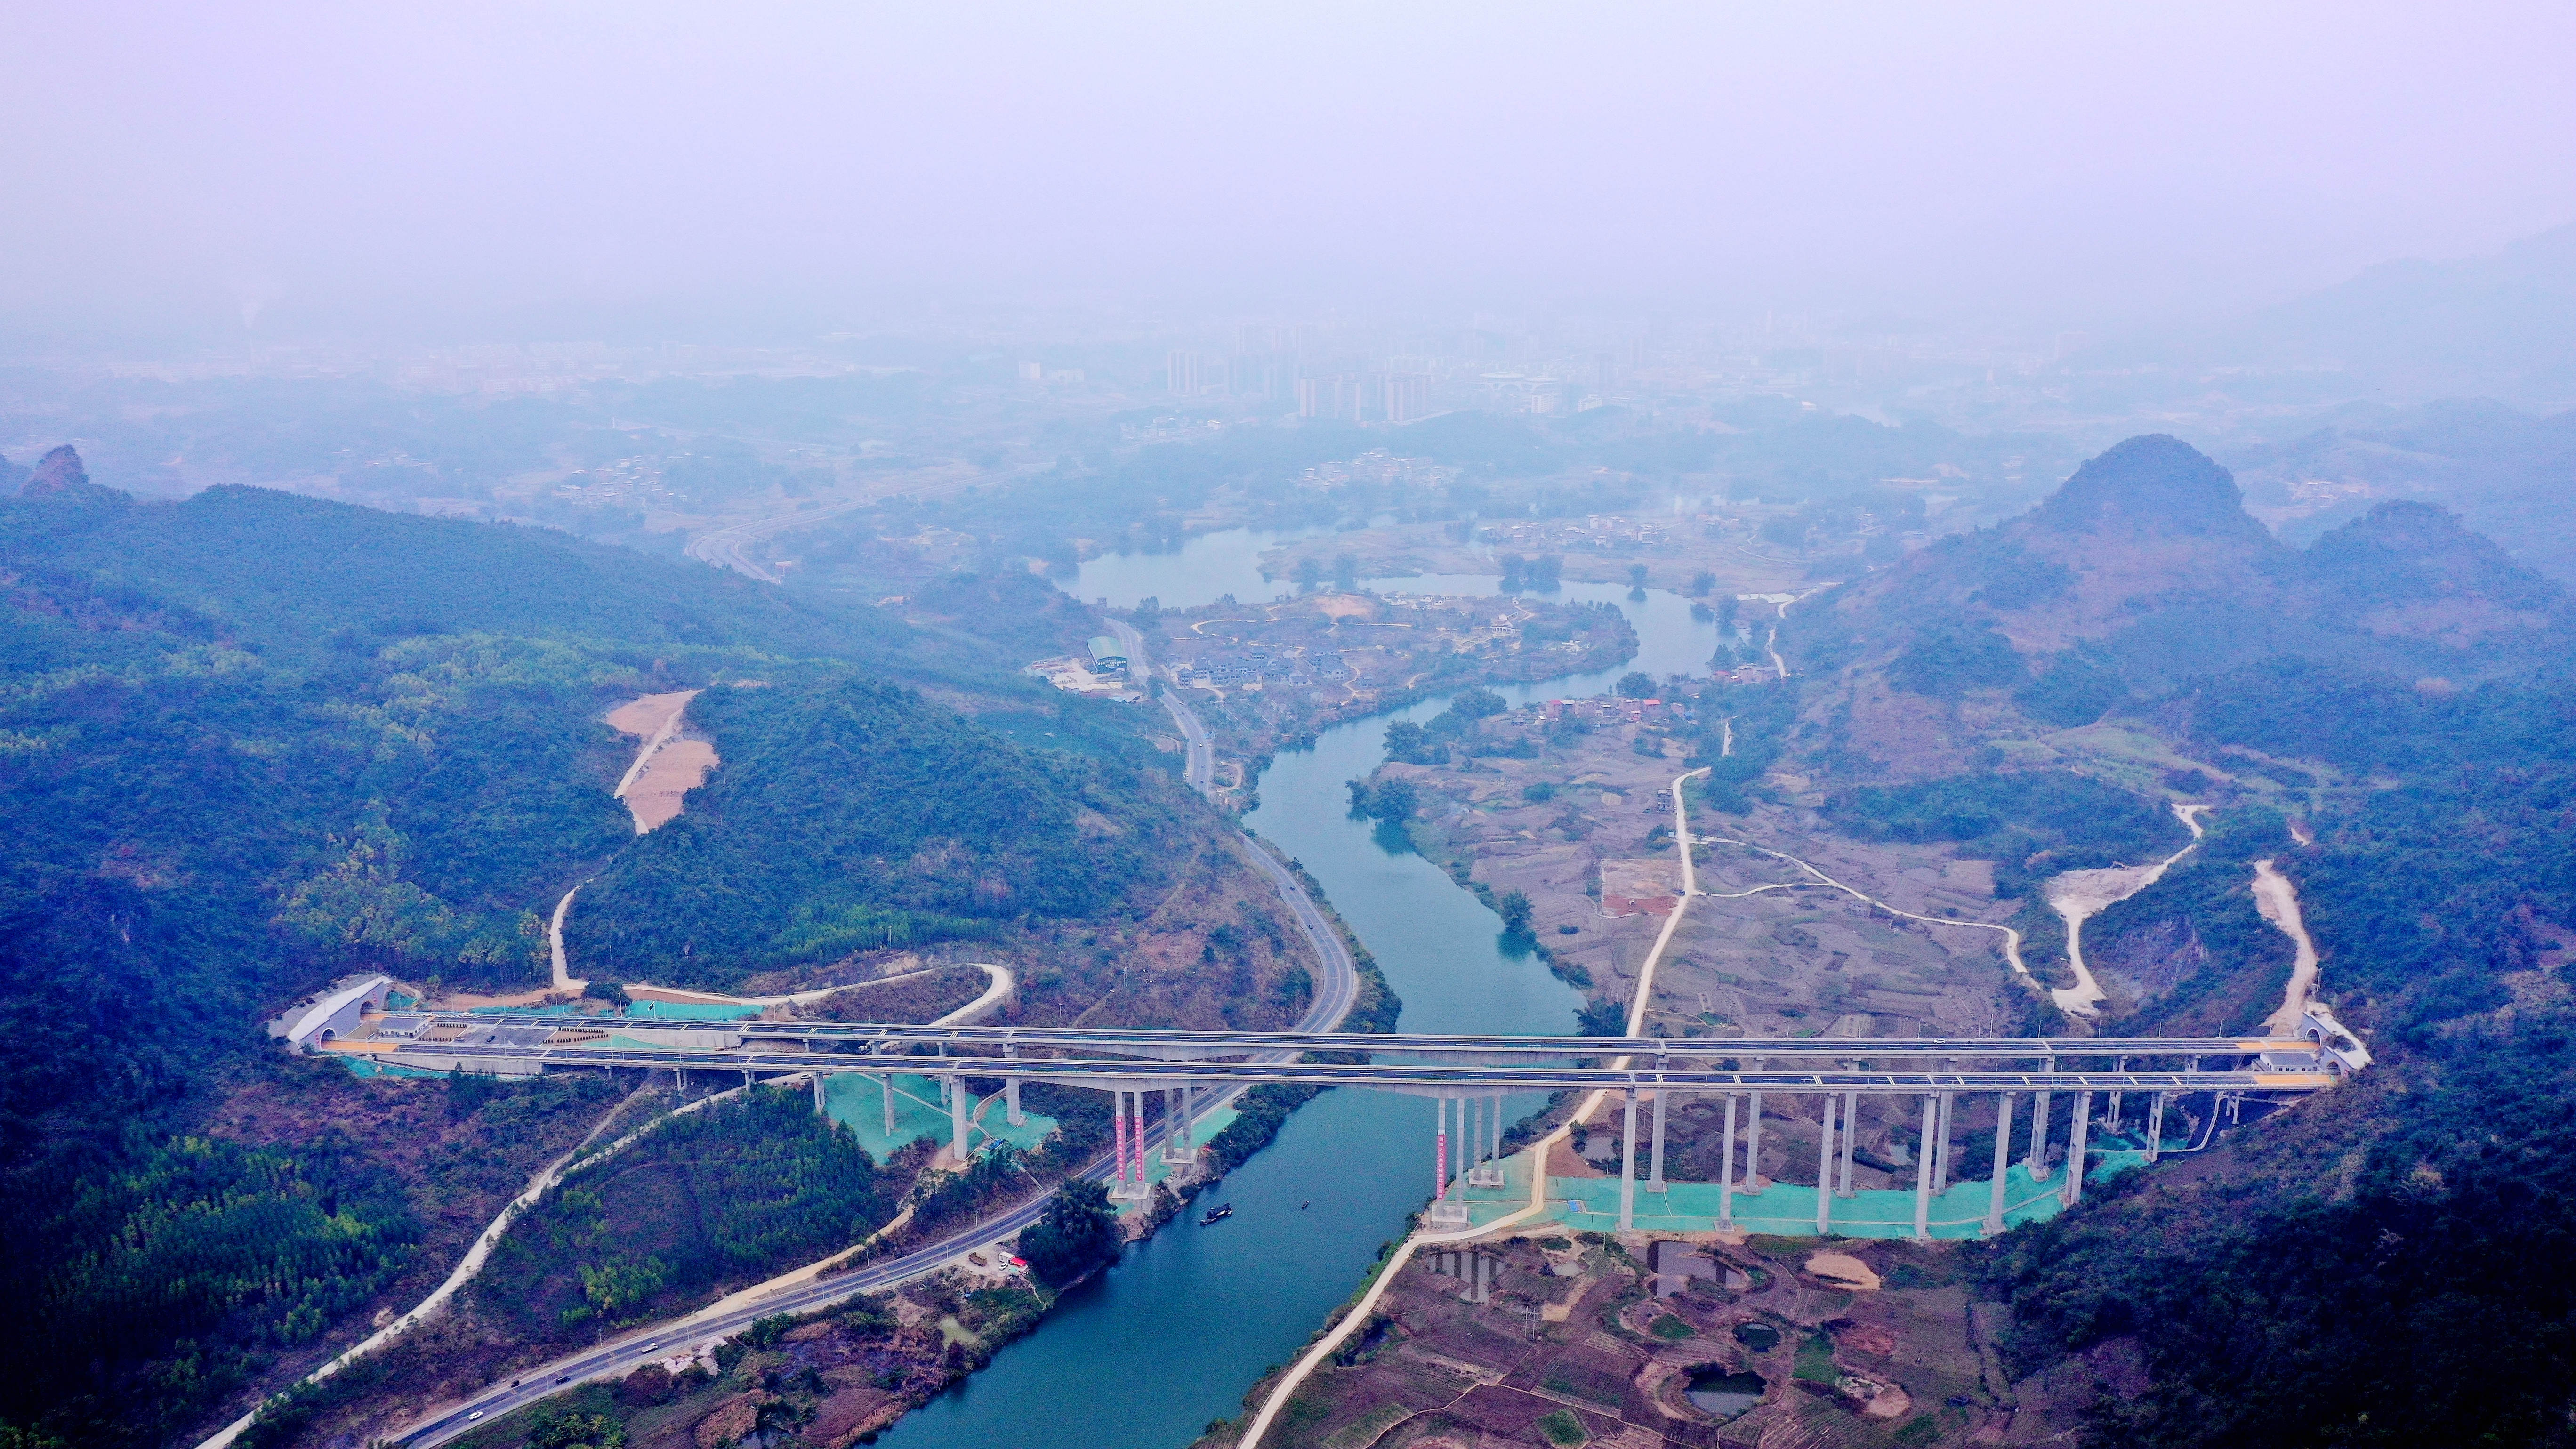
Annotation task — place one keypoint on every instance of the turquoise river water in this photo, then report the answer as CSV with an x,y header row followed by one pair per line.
x,y
1147,1354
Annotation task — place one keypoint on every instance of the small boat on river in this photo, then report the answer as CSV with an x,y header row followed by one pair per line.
x,y
1219,1213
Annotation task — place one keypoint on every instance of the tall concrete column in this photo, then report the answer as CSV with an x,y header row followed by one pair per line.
x,y
1825,1171
1118,1132
1011,1092
821,1107
2073,1191
1440,1151
1753,1146
1851,1116
1628,1163
1475,1134
2003,1163
1726,1170
1655,1174
2156,1127
2111,1123
886,1081
957,1121
1941,1152
1498,1124
1923,1171
2039,1137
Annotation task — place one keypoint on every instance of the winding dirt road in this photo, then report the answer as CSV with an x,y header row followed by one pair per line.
x,y
2278,901
2079,895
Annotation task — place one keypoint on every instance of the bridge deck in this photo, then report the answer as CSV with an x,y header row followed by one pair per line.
x,y
1463,1079
1003,1039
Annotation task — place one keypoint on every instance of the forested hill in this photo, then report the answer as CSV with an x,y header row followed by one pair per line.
x,y
250,741
853,817
2385,721
288,573
2142,573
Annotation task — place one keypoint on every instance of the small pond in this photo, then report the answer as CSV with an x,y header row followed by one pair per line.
x,y
1759,1337
1725,1395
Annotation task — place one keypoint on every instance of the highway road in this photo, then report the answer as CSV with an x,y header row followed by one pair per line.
x,y
724,547
1182,1045
1198,767
1457,1077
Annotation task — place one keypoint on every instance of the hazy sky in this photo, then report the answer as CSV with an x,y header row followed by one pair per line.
x,y
463,159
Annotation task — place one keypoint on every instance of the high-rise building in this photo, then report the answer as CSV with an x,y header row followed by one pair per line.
x,y
1032,372
1337,396
1187,374
1257,374
1406,396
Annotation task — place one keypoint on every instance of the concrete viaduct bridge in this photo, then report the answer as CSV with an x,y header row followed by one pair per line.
x,y
1466,1076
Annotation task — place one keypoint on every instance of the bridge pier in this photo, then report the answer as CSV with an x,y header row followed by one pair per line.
x,y
1440,1149
1488,1171
1444,1213
1923,1171
1178,1149
957,1120
1753,1146
2156,1127
2111,1123
2073,1192
1825,1171
1851,1117
2039,1136
1941,1146
885,1081
1655,1174
1011,1091
1127,1183
1628,1163
2003,1163
1726,1170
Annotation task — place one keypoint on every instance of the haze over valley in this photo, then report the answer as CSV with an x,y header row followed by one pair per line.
x,y
1384,731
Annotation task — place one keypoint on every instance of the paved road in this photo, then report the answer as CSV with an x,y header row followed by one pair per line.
x,y
724,547
1199,761
1173,1045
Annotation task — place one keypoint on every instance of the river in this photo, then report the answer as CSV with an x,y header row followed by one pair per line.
x,y
1147,1354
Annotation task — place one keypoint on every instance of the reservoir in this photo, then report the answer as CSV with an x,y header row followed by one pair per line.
x,y
1147,1354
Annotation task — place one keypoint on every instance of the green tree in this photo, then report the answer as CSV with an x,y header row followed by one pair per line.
x,y
1346,572
1702,582
1637,684
1515,910
1077,1235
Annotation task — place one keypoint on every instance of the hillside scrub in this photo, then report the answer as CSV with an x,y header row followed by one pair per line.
x,y
253,741
705,1202
851,817
2033,824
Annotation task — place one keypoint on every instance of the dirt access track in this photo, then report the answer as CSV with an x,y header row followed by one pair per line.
x,y
669,766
